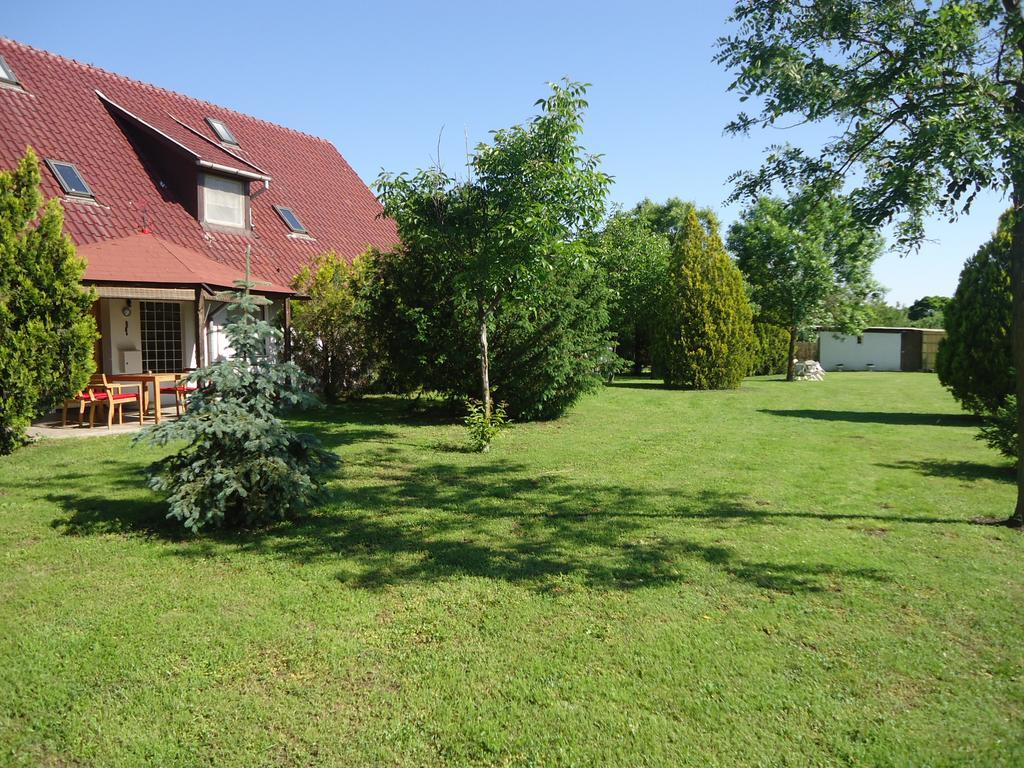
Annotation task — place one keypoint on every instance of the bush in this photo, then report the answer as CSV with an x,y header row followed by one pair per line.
x,y
482,428
705,334
1000,428
328,338
770,351
635,264
543,356
975,360
46,325
241,464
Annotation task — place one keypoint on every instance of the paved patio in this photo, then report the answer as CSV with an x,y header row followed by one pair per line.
x,y
50,426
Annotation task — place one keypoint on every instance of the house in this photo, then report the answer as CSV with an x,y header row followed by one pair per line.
x,y
163,195
880,349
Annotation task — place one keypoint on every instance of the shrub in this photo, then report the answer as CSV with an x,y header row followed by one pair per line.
x,y
46,326
482,428
328,338
705,334
770,350
241,464
1000,428
635,264
543,356
975,359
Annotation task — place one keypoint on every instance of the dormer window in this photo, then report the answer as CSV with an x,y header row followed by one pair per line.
x,y
224,201
7,74
70,179
288,217
223,132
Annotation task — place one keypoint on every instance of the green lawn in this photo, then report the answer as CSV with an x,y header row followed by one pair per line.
x,y
786,574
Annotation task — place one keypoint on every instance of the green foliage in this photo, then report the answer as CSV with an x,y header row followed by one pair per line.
x,y
524,215
328,339
882,314
635,263
807,262
999,428
544,356
919,98
46,326
923,101
241,464
770,351
706,336
928,308
669,218
483,427
975,359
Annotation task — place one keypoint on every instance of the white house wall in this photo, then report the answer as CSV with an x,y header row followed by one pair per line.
x,y
879,350
121,334
217,317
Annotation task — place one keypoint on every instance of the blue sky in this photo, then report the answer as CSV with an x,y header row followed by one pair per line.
x,y
392,83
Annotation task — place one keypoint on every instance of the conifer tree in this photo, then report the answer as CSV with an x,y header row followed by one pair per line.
x,y
46,327
241,465
975,359
706,332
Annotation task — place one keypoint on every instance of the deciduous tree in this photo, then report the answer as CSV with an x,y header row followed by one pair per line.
x,y
635,261
807,262
533,196
925,101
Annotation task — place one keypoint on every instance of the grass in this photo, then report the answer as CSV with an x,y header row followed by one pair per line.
x,y
781,575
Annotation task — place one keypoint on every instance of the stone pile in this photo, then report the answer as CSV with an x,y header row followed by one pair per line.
x,y
809,370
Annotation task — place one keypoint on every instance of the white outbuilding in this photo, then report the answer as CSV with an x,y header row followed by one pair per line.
x,y
879,349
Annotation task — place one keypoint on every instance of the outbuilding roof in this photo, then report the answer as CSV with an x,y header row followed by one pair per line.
x,y
97,120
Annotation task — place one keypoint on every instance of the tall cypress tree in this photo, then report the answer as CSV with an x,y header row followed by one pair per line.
x,y
706,336
46,327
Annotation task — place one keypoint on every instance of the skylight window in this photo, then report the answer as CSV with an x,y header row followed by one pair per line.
x,y
223,132
6,73
288,217
70,179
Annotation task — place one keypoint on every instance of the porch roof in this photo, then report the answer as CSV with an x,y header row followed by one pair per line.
x,y
145,259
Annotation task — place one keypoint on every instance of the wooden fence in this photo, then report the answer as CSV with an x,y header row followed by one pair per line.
x,y
807,350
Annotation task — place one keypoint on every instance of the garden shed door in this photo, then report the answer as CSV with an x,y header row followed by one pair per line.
x,y
910,350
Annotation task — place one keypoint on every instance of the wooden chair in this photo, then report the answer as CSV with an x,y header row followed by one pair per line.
x,y
87,398
115,400
181,391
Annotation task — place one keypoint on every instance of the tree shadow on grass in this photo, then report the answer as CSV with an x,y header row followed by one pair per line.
x,y
968,471
399,524
881,417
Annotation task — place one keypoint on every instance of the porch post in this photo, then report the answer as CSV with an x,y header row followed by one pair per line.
x,y
287,328
200,328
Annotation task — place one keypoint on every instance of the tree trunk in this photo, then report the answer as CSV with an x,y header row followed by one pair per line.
x,y
1017,336
485,364
790,366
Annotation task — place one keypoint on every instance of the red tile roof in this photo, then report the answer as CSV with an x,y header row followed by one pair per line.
x,y
145,258
62,114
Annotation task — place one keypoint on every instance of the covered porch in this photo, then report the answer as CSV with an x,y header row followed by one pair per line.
x,y
161,310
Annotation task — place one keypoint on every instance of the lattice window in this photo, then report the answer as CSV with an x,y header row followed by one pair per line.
x,y
161,336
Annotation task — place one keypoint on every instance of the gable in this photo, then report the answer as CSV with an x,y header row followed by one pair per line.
x,y
143,150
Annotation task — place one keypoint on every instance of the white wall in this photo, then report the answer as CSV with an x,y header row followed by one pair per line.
x,y
881,349
217,317
113,326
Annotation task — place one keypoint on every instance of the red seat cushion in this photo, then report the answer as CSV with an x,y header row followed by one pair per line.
x,y
174,390
119,396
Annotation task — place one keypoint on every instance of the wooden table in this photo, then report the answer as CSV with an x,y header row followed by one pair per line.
x,y
156,379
